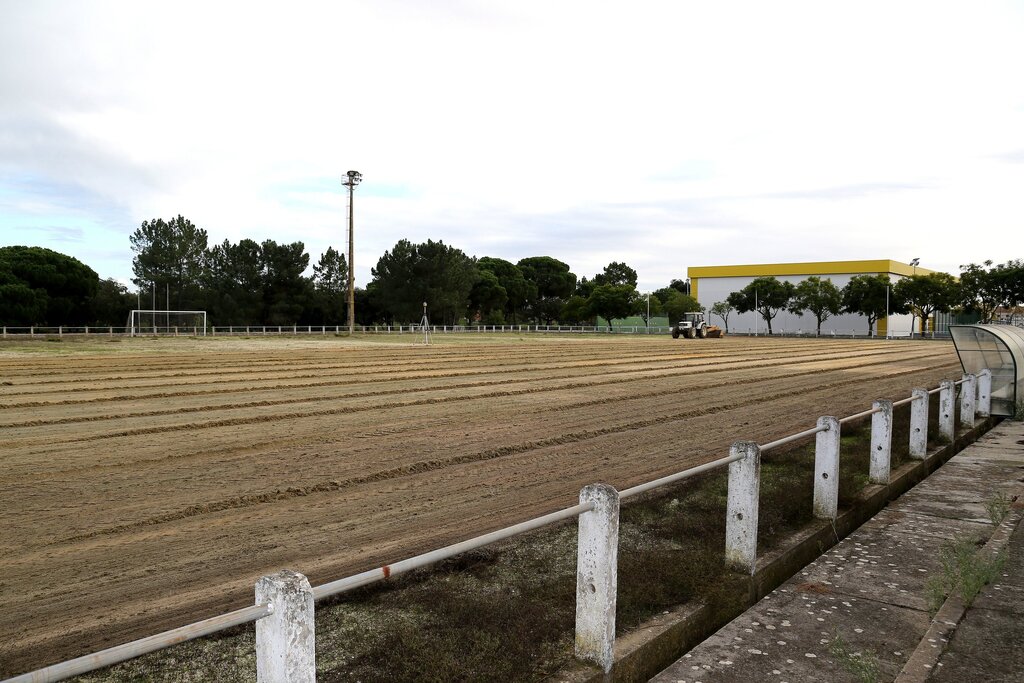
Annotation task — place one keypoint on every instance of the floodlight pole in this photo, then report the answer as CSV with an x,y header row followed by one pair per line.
x,y
353,179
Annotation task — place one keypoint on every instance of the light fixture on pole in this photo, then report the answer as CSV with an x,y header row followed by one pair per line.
x,y
353,179
915,262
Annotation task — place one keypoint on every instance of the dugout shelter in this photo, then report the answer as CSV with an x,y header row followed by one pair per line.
x,y
1000,348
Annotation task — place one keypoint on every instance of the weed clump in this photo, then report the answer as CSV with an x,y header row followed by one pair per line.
x,y
864,667
964,572
998,507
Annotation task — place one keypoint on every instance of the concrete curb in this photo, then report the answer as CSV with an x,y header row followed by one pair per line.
x,y
926,655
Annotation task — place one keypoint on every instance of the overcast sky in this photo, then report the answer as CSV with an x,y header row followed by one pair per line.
x,y
662,134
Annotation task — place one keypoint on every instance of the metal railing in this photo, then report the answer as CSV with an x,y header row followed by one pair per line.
x,y
285,601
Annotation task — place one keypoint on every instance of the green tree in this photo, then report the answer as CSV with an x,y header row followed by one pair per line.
x,y
576,311
611,302
585,287
820,297
112,303
765,295
487,299
40,286
616,273
330,281
926,294
517,288
432,272
233,283
170,254
677,304
985,289
647,306
681,286
872,297
286,292
554,282
722,309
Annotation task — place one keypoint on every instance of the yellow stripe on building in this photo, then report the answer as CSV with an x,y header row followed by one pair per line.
x,y
881,266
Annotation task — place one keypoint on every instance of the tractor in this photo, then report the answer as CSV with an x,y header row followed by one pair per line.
x,y
692,325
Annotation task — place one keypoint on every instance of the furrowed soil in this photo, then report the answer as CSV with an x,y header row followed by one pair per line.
x,y
149,483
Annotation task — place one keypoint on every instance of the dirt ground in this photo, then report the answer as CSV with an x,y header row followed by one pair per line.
x,y
149,483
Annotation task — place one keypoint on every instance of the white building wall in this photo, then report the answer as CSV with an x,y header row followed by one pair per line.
x,y
711,290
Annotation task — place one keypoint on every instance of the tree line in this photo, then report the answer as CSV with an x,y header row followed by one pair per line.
x,y
253,282
980,289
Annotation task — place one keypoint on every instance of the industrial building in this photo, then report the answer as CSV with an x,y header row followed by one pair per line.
x,y
711,284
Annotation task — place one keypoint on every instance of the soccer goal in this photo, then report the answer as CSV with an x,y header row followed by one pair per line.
x,y
167,322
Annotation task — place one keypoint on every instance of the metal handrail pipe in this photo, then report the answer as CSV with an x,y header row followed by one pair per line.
x,y
935,391
866,413
136,648
678,476
794,437
903,402
348,583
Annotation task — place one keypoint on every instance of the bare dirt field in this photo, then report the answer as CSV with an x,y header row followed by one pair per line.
x,y
149,483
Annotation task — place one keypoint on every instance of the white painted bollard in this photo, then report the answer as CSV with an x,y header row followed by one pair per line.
x,y
285,639
597,560
968,405
742,507
826,469
947,410
919,424
985,393
881,442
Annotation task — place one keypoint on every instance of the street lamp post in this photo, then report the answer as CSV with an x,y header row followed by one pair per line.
x,y
648,320
914,262
353,179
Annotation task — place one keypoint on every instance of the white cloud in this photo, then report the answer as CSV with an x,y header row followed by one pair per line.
x,y
667,134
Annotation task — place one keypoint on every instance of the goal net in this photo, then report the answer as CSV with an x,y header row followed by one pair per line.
x,y
167,322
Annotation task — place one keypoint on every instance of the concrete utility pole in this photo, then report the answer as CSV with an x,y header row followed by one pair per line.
x,y
354,178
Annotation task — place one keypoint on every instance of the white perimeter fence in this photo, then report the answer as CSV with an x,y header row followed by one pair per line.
x,y
9,332
285,642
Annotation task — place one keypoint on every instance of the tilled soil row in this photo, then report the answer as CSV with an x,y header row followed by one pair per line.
x,y
317,368
406,384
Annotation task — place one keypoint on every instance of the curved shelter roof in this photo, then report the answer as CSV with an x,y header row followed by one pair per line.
x,y
1000,348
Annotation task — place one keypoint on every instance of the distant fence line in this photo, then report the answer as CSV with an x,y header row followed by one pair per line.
x,y
8,332
284,605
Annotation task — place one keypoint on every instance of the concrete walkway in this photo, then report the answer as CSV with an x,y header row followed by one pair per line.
x,y
861,611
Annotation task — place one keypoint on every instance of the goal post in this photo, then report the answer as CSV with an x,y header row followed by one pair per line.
x,y
166,322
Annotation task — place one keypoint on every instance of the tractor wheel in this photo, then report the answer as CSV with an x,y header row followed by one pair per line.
x,y
689,333
675,333
702,332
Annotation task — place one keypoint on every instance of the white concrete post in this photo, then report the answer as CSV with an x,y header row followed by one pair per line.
x,y
597,563
742,507
919,424
968,400
881,442
826,469
285,651
947,410
985,393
